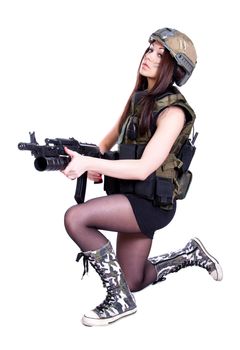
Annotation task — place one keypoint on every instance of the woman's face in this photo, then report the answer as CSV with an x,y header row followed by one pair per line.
x,y
151,61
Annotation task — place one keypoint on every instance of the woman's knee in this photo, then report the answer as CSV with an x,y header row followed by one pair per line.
x,y
70,218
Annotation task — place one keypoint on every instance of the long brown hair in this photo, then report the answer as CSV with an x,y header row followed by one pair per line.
x,y
164,80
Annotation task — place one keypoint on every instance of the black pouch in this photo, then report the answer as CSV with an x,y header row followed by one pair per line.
x,y
146,188
186,155
139,151
111,184
164,191
126,186
184,182
127,151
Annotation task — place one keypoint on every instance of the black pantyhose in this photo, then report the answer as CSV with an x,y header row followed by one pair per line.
x,y
113,213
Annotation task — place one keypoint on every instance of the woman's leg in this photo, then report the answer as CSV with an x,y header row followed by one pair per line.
x,y
83,222
113,213
132,254
110,213
119,301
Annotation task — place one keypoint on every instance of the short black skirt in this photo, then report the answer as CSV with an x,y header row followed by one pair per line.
x,y
149,217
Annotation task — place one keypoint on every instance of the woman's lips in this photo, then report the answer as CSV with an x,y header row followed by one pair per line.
x,y
144,65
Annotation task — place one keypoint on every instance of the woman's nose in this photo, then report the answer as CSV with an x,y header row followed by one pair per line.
x,y
149,56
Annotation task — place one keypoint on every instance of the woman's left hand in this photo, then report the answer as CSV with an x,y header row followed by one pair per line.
x,y
77,165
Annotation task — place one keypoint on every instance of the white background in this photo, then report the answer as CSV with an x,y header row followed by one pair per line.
x,y
67,68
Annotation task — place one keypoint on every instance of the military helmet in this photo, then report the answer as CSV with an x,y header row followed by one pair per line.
x,y
180,47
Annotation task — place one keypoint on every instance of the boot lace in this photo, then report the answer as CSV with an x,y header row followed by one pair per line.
x,y
85,262
200,263
108,301
111,291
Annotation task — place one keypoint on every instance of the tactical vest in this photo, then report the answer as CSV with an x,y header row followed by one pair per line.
x,y
172,179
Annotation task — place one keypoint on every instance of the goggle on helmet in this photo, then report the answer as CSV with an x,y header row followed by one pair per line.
x,y
180,47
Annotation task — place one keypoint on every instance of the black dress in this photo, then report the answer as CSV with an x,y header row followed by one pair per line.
x,y
149,217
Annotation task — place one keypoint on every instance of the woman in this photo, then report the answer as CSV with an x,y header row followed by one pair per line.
x,y
155,124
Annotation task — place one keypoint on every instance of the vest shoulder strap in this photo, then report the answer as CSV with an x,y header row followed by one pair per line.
x,y
175,98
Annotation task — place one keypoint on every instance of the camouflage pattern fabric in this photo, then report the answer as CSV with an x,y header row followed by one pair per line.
x,y
167,182
193,254
119,301
180,47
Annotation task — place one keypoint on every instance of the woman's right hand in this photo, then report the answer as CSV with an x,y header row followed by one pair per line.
x,y
94,176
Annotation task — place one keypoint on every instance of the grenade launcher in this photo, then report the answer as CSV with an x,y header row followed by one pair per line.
x,y
52,156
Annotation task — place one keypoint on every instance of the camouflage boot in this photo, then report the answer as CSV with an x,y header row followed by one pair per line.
x,y
194,253
119,301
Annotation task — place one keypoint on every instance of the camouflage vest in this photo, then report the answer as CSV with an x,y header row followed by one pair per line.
x,y
171,98
166,184
172,179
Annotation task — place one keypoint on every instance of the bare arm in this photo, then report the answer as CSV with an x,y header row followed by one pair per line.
x,y
105,145
169,125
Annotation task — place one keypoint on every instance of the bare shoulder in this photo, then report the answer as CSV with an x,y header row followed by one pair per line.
x,y
172,113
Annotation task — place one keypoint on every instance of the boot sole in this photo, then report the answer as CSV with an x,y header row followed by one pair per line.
x,y
87,321
217,274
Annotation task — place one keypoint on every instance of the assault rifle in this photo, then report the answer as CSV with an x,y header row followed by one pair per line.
x,y
52,156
